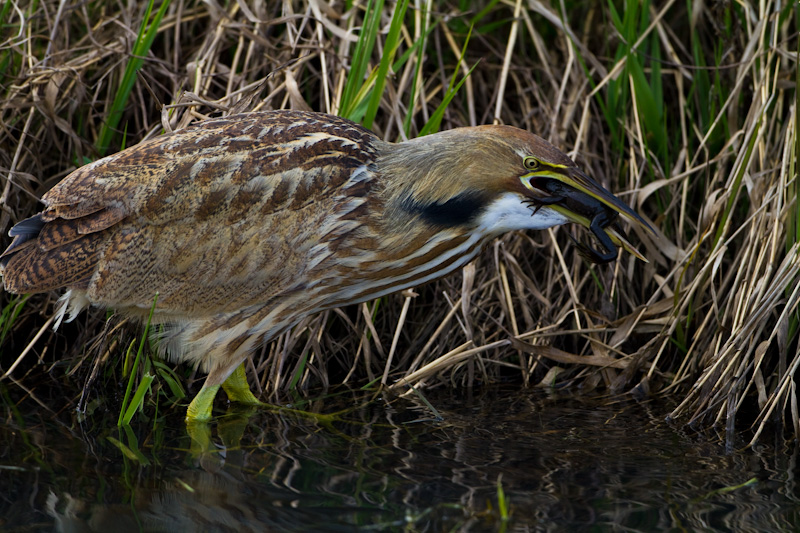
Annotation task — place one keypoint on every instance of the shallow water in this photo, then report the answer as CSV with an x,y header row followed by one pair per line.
x,y
563,464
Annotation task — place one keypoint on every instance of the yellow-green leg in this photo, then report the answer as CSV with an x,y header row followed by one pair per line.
x,y
200,408
199,411
237,389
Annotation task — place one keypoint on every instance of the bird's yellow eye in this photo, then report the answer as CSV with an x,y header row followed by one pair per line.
x,y
531,163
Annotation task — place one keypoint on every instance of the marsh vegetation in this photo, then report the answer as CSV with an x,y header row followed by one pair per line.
x,y
686,110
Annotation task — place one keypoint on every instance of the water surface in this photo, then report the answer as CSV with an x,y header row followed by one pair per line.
x,y
563,464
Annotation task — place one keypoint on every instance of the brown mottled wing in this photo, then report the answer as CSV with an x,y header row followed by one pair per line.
x,y
50,252
216,217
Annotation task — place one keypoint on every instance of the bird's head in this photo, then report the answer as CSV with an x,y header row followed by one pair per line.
x,y
496,179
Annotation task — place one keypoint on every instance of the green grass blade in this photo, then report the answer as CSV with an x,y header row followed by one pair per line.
x,y
125,405
412,101
301,367
361,57
432,126
127,452
483,12
650,109
131,450
172,380
144,40
502,500
9,315
138,398
133,445
390,49
127,364
737,185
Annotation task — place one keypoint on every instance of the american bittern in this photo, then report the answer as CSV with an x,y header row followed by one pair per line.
x,y
244,225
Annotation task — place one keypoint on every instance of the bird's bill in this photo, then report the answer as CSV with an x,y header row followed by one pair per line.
x,y
619,239
578,180
582,183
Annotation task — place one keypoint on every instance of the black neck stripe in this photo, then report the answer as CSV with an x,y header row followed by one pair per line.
x,y
457,211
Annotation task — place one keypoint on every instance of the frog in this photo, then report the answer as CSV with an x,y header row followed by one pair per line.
x,y
599,214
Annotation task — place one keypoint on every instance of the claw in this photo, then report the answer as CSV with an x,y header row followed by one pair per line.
x,y
539,203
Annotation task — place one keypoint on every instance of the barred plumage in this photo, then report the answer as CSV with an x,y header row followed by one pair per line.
x,y
246,224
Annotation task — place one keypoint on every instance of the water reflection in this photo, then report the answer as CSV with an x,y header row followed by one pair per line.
x,y
564,464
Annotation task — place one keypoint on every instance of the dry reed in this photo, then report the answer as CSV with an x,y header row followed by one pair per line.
x,y
687,110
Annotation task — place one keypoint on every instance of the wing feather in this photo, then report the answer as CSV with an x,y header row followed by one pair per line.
x,y
214,217
31,269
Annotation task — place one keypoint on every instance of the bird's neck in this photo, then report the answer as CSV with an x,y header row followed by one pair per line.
x,y
453,183
423,183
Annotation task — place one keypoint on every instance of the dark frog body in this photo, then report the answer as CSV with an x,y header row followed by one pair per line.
x,y
599,214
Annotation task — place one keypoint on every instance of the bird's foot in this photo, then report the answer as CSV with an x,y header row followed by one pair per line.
x,y
200,408
238,390
235,387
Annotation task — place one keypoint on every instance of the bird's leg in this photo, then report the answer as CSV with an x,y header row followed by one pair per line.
x,y
200,408
237,389
235,386
199,411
